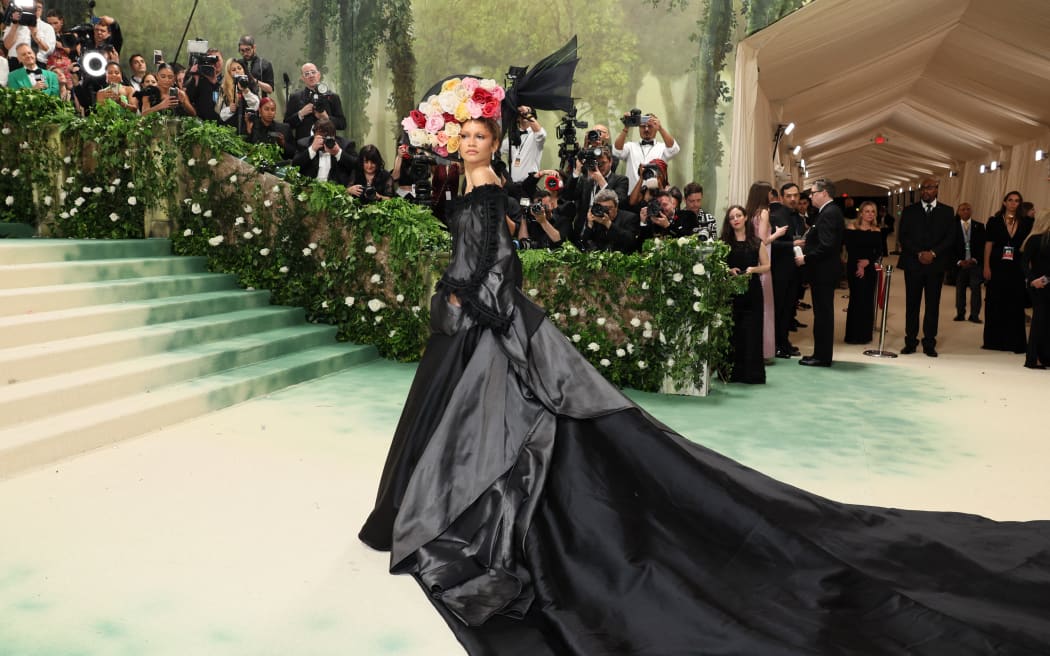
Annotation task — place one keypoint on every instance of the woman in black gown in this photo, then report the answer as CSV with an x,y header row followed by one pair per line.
x,y
1005,291
863,248
748,258
1036,251
544,514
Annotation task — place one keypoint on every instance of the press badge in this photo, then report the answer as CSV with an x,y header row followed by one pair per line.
x,y
1008,253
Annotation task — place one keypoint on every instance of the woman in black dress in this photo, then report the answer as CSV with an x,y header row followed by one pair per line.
x,y
1036,252
748,258
1005,293
863,247
370,181
544,514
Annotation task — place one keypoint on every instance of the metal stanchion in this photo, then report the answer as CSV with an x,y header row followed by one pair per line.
x,y
881,352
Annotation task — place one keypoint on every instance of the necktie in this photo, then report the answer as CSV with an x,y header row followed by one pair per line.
x,y
647,142
929,208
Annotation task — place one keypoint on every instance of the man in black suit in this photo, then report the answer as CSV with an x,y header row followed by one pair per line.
x,y
820,256
969,258
591,176
610,228
927,238
326,157
784,270
312,104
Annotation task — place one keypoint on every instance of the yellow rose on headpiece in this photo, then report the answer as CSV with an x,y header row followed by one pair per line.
x,y
462,113
452,129
453,144
450,85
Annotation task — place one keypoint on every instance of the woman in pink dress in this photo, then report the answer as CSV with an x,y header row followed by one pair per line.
x,y
758,211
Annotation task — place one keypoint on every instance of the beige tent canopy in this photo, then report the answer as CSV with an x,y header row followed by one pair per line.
x,y
948,85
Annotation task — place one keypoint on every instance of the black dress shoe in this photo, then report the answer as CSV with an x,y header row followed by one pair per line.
x,y
783,355
810,361
932,352
794,351
1034,366
975,320
907,350
959,317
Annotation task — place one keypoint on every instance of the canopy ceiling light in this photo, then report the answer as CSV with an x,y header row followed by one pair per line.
x,y
779,134
798,150
1041,154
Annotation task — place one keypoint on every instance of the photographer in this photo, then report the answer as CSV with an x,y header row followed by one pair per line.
x,y
652,177
325,159
31,75
370,181
593,173
545,223
28,26
237,97
647,148
106,32
203,86
166,96
265,128
662,218
312,104
255,66
608,228
525,157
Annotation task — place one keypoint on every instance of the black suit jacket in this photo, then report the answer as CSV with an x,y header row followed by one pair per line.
x,y
977,240
581,188
783,248
824,245
921,233
341,170
622,235
303,127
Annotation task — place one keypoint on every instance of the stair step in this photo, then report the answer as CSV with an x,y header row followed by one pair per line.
x,y
28,251
42,274
46,440
23,401
43,327
60,297
33,361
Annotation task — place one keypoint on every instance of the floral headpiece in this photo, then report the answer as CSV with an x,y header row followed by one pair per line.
x,y
437,122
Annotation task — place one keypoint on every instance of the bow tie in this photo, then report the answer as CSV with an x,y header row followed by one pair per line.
x,y
647,142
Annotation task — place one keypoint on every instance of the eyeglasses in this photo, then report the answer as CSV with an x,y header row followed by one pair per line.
x,y
310,73
245,49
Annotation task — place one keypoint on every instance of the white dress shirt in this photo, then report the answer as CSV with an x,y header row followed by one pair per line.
x,y
527,156
635,154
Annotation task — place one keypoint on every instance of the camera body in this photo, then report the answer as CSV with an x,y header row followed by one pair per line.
x,y
206,65
654,208
649,171
634,118
599,210
707,227
589,158
566,131
318,97
242,81
330,143
368,193
22,12
593,137
537,209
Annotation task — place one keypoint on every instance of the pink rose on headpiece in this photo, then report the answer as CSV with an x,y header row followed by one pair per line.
x,y
491,109
435,122
408,124
441,150
474,107
470,83
442,138
418,117
498,93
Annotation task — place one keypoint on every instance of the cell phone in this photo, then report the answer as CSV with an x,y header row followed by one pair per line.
x,y
158,57
173,93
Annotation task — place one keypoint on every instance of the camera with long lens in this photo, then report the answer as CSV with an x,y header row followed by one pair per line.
x,y
22,12
649,171
368,193
707,227
655,208
206,65
634,118
593,137
589,159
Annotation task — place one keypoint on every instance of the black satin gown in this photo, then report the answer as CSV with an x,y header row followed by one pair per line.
x,y
860,314
544,514
748,315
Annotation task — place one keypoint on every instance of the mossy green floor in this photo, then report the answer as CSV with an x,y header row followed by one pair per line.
x,y
235,534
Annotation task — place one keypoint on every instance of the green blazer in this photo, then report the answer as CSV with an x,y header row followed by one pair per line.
x,y
20,80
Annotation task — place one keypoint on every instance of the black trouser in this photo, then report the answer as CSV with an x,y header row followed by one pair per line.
x,y
822,291
785,293
972,278
925,281
1039,332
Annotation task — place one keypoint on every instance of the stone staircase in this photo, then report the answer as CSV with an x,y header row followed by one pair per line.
x,y
105,340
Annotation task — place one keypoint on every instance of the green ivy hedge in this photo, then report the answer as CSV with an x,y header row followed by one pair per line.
x,y
648,321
